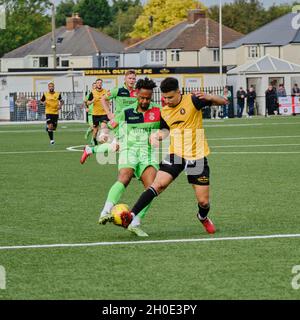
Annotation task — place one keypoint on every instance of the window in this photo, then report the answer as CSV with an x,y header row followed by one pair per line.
x,y
253,52
43,62
64,63
104,62
60,40
216,55
57,61
117,62
175,55
157,56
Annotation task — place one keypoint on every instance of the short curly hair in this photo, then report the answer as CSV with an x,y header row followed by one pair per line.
x,y
146,83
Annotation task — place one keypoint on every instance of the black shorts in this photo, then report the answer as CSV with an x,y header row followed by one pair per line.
x,y
52,119
98,119
197,171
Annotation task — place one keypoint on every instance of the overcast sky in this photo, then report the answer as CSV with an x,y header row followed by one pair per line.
x,y
212,2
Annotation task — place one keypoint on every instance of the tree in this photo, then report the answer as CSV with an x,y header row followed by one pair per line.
x,y
95,13
63,10
165,13
246,16
123,22
123,6
26,20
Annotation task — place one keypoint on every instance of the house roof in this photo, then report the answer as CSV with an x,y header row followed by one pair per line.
x,y
188,37
82,41
279,32
266,64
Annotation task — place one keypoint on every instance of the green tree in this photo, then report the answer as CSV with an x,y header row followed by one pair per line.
x,y
123,22
123,5
165,13
64,10
26,20
95,13
246,16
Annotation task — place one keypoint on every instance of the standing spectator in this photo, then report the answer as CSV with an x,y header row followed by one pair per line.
x,y
21,103
226,95
241,96
281,91
214,109
271,100
251,98
32,108
296,90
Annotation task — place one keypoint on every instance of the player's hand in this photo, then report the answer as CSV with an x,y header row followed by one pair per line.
x,y
154,140
202,96
87,109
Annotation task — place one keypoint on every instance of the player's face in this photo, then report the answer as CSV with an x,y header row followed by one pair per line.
x,y
130,80
144,97
51,87
172,98
99,84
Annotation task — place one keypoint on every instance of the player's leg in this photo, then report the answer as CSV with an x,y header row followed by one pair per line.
x,y
198,176
89,130
95,129
115,193
169,170
147,178
49,128
104,132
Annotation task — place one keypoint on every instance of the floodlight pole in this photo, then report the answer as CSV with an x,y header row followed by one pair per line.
x,y
53,46
221,43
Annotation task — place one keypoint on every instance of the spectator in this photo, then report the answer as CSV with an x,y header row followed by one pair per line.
x,y
251,98
32,108
214,110
226,95
241,96
271,100
296,90
21,103
281,91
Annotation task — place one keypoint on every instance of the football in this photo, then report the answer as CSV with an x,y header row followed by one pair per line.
x,y
121,215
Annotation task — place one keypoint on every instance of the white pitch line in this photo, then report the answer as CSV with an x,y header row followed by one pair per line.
x,y
32,152
120,243
252,138
256,152
257,145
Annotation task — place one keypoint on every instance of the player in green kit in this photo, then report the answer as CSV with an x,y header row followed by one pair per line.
x,y
123,96
133,126
89,110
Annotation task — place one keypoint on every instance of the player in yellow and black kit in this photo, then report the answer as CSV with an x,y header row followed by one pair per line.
x,y
99,114
53,103
181,118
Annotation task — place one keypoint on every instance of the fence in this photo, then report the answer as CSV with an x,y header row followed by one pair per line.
x,y
26,106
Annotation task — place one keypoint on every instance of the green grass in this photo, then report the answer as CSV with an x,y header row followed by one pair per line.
x,y
49,198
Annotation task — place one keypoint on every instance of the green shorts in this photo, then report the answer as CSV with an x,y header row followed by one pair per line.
x,y
139,159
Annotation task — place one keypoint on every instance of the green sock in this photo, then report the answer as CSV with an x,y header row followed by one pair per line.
x,y
144,211
88,133
102,148
115,192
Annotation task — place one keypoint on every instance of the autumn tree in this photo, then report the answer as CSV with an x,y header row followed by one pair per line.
x,y
164,13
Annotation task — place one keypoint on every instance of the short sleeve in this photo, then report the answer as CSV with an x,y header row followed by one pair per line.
x,y
200,103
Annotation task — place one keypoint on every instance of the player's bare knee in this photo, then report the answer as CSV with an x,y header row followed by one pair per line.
x,y
125,177
204,203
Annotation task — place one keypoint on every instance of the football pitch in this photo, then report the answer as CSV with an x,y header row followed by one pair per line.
x,y
51,246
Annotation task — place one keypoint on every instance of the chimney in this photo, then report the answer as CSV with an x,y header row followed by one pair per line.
x,y
196,14
74,22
